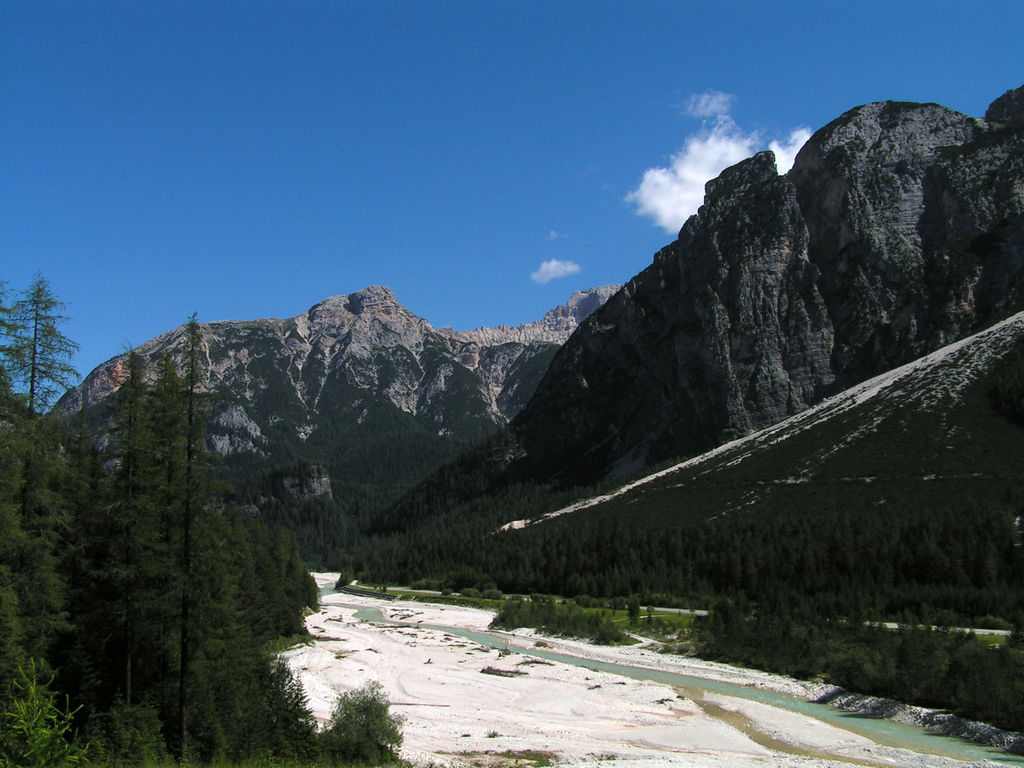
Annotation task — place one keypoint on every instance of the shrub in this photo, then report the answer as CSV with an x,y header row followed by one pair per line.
x,y
34,731
127,735
362,730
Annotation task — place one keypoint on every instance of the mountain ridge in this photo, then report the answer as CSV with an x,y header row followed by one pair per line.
x,y
354,324
929,383
899,228
344,403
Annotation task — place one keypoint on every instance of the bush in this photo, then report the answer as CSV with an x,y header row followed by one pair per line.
x,y
34,731
559,619
362,730
127,735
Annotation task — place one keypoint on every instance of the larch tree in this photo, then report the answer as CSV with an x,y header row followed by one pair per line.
x,y
35,358
191,501
38,353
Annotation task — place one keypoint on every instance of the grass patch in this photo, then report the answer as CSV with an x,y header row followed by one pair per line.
x,y
993,641
510,758
485,603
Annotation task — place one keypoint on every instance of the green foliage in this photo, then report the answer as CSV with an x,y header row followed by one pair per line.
x,y
560,619
34,731
37,353
362,729
128,735
11,653
147,530
33,519
941,669
290,730
110,559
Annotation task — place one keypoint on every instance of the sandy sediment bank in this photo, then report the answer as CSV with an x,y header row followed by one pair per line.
x,y
467,704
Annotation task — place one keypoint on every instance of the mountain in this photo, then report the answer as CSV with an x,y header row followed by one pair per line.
x,y
898,499
945,426
358,389
899,231
902,492
900,228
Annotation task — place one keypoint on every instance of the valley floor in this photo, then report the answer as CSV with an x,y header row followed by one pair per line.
x,y
465,703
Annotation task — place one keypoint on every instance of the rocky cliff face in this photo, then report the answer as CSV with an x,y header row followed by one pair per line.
x,y
355,368
899,229
501,357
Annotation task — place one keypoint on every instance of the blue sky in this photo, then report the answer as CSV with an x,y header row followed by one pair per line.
x,y
244,160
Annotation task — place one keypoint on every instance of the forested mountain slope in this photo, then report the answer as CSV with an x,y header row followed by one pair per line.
x,y
332,410
901,492
941,434
759,311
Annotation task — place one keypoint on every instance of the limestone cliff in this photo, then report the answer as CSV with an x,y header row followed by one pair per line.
x,y
349,378
899,229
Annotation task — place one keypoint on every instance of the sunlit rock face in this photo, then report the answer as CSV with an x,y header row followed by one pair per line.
x,y
348,376
899,229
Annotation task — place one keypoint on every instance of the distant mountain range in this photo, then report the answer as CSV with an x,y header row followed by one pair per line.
x,y
898,231
357,389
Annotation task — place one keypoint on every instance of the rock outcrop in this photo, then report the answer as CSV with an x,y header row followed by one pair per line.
x,y
899,229
355,372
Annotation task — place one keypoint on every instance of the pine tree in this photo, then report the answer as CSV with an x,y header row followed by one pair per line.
x,y
37,353
134,527
11,538
191,503
32,510
8,326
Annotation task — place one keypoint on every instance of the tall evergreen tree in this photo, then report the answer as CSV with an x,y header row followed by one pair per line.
x,y
191,502
7,330
32,509
133,519
38,352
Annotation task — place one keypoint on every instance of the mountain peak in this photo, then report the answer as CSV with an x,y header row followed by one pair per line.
x,y
582,303
355,303
371,296
1008,108
555,327
897,231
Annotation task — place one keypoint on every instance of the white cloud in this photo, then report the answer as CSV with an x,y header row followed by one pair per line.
x,y
671,195
552,269
555,235
785,154
709,104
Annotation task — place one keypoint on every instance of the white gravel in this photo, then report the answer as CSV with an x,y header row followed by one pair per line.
x,y
457,714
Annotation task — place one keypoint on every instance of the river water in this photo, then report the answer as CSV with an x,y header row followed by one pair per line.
x,y
881,731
